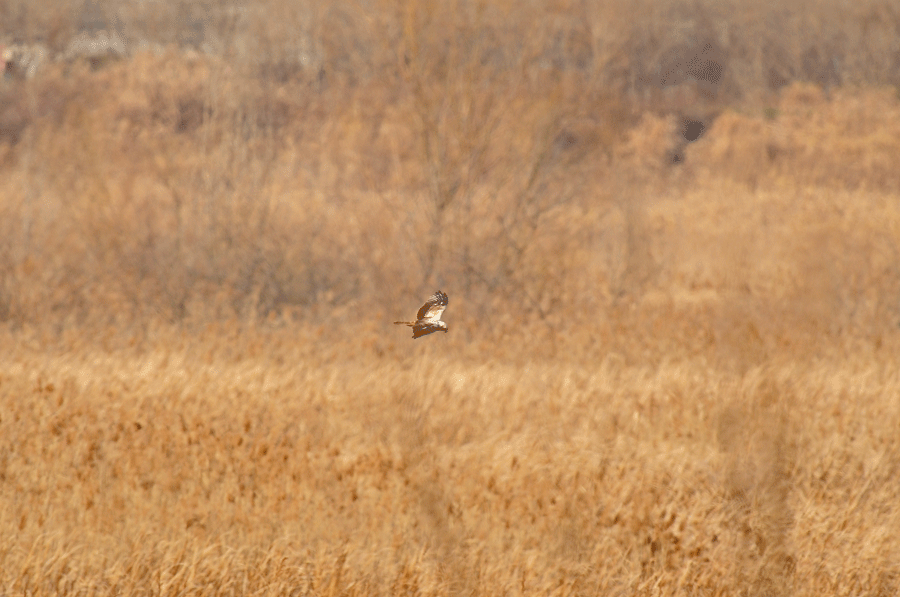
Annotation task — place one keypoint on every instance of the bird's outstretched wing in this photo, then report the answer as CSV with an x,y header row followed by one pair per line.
x,y
433,308
428,319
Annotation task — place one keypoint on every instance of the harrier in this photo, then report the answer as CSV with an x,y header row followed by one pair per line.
x,y
428,319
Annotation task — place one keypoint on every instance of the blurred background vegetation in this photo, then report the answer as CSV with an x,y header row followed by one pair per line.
x,y
702,176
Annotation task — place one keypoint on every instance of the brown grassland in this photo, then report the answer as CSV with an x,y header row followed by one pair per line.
x,y
660,378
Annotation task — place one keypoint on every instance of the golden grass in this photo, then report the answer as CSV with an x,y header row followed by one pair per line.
x,y
659,380
196,467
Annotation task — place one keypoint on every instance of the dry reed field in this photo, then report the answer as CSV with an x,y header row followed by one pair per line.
x,y
671,366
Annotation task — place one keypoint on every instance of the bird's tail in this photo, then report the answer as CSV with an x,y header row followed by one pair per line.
x,y
409,323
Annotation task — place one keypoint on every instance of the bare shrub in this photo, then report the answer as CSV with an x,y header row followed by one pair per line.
x,y
289,172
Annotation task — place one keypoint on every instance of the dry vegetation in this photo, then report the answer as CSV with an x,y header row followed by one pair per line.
x,y
660,379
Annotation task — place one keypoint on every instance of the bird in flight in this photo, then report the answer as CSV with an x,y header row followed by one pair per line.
x,y
428,319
